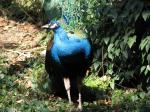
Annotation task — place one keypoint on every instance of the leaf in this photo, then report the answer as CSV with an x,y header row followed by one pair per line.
x,y
142,95
110,55
148,67
116,42
96,65
143,57
134,98
147,47
145,15
1,75
148,58
110,71
131,41
117,52
112,84
143,68
143,43
106,40
46,85
148,80
146,71
110,47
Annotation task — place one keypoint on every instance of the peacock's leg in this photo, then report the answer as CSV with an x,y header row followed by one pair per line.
x,y
79,90
67,87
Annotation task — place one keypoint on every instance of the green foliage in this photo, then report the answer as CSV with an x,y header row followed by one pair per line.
x,y
17,95
52,9
96,82
121,27
3,68
38,76
135,101
120,33
26,10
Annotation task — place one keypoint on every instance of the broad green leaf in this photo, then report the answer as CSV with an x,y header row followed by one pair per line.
x,y
147,47
110,47
145,15
148,67
111,66
143,43
46,85
131,41
110,71
1,75
117,52
148,80
134,98
110,55
96,65
116,42
142,95
146,71
106,40
143,68
112,84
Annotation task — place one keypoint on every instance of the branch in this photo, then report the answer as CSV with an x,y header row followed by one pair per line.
x,y
34,49
27,52
18,52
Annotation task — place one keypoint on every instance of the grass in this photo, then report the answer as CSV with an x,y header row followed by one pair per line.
x,y
27,88
30,92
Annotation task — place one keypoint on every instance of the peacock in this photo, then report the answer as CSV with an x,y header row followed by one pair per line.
x,y
68,57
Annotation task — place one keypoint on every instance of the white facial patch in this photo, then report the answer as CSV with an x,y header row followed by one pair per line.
x,y
53,26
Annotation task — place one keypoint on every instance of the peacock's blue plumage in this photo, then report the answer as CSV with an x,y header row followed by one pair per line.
x,y
65,46
67,57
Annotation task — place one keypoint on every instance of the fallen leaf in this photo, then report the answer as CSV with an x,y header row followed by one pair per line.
x,y
19,101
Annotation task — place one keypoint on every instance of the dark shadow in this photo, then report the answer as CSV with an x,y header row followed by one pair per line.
x,y
52,9
133,106
5,3
37,14
14,11
145,108
9,45
17,68
89,96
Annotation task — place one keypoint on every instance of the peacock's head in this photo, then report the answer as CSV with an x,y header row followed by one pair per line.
x,y
51,25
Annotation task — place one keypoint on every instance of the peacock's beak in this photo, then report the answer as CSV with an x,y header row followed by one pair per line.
x,y
47,26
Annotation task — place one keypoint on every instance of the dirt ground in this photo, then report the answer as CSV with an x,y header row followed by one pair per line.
x,y
14,34
18,39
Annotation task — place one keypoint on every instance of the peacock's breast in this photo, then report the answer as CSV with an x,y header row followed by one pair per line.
x,y
71,47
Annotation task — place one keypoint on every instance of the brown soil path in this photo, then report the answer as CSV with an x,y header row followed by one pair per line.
x,y
17,39
13,34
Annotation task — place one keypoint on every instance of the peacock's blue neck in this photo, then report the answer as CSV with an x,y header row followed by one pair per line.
x,y
60,35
